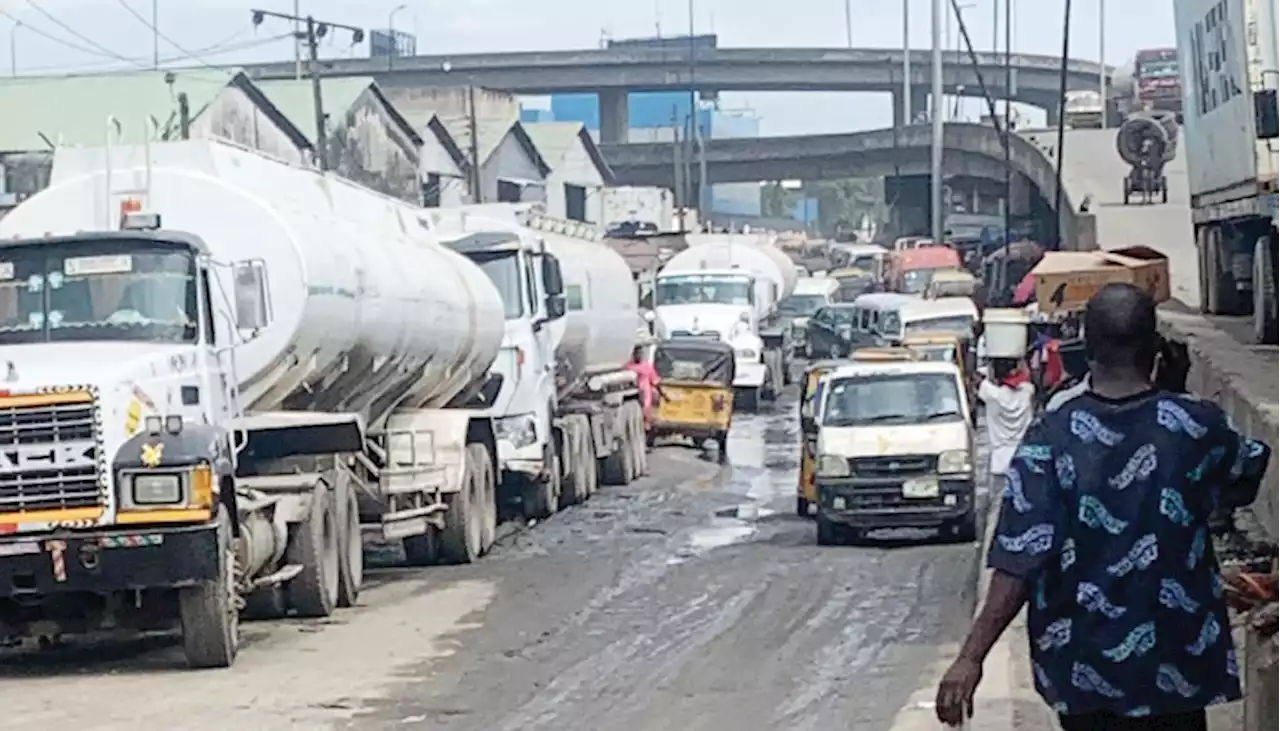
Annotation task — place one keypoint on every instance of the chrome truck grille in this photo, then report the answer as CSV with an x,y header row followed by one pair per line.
x,y
48,453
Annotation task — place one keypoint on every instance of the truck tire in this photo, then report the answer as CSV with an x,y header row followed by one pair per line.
x,y
640,442
574,490
462,539
423,550
1223,299
541,497
210,617
350,546
478,454
828,532
1264,293
313,543
591,465
617,468
265,603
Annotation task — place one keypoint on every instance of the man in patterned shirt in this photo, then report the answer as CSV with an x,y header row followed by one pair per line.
x,y
1104,533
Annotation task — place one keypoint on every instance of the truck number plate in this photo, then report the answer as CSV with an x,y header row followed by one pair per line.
x,y
19,549
920,488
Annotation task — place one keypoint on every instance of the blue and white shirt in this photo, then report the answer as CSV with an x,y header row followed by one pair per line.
x,y
1105,516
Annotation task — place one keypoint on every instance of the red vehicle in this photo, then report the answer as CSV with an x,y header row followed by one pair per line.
x,y
1153,82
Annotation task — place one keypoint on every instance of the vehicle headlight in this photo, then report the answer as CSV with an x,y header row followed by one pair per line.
x,y
521,430
746,354
830,465
955,461
158,489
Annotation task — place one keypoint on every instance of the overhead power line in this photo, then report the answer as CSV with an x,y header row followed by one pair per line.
x,y
222,48
92,43
152,26
50,37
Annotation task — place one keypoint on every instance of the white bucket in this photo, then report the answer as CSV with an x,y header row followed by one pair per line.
x,y
1006,332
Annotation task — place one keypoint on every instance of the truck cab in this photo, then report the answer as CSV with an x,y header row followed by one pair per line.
x,y
720,304
895,450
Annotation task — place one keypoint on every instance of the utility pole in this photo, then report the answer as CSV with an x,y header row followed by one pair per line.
x,y
848,22
314,31
906,62
473,152
1102,57
935,167
155,37
297,40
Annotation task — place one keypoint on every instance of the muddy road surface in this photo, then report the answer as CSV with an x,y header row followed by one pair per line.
x,y
694,599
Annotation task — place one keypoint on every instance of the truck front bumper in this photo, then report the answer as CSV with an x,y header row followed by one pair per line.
x,y
108,560
879,503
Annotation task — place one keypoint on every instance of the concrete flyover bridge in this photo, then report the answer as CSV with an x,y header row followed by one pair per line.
x,y
971,150
611,72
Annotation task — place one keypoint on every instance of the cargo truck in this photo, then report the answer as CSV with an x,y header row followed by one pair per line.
x,y
219,369
567,415
1150,82
727,287
1228,51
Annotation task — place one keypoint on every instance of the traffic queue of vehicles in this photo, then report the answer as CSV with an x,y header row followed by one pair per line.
x,y
887,420
222,370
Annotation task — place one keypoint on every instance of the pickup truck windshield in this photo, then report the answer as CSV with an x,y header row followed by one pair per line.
x,y
96,290
892,399
703,289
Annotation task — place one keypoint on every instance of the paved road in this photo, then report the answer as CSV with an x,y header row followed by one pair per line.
x,y
691,600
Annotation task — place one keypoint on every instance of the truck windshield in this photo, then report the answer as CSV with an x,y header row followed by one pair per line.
x,y
801,305
1161,69
892,399
121,290
504,270
704,289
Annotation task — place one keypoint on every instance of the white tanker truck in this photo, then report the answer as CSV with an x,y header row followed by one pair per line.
x,y
218,368
727,287
568,416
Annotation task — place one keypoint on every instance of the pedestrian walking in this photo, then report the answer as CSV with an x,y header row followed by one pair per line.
x,y
647,381
1104,535
1009,398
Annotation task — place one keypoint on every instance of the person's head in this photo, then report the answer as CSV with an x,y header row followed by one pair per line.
x,y
1120,336
637,354
1002,368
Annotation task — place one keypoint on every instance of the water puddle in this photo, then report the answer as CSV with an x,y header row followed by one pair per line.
x,y
719,533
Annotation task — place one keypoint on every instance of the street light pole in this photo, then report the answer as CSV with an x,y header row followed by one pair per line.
x,y
391,35
935,172
13,47
848,22
906,61
1102,57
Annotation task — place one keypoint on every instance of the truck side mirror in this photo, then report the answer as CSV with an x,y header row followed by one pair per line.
x,y
556,306
552,278
252,311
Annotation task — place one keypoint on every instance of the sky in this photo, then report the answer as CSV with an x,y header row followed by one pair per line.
x,y
76,36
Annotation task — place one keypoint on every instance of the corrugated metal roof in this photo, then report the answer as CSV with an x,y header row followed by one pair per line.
x,y
489,135
295,100
73,110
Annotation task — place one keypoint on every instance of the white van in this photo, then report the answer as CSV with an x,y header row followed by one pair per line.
x,y
873,311
895,449
953,315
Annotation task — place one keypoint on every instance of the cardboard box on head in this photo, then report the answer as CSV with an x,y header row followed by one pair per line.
x,y
1066,280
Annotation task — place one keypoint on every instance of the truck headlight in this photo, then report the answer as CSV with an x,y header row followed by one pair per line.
x,y
157,489
954,462
830,465
521,430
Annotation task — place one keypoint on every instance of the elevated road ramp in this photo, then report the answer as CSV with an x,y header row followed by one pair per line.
x,y
1093,170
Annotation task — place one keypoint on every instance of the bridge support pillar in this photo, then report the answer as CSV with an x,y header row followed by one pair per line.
x,y
919,104
615,116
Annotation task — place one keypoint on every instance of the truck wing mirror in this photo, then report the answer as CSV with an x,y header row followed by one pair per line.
x,y
252,311
556,306
552,278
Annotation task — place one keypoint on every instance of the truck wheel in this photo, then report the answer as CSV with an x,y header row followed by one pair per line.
x,y
423,550
802,507
350,547
210,617
641,459
1264,293
478,455
616,468
541,497
828,532
461,540
574,490
591,465
313,543
266,603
